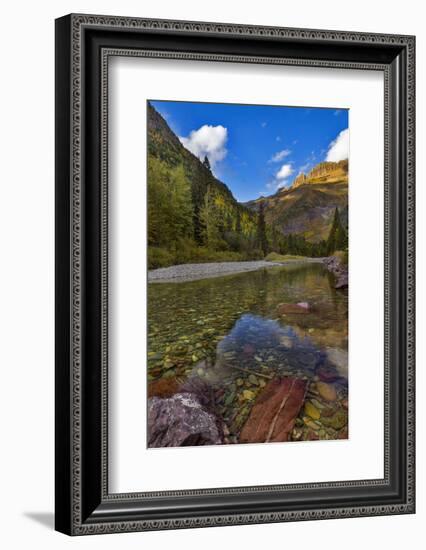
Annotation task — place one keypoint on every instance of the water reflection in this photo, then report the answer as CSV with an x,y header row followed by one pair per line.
x,y
255,342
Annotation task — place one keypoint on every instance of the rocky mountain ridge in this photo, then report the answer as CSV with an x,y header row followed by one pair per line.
x,y
324,172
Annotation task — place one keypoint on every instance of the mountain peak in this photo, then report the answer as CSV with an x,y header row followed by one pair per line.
x,y
324,172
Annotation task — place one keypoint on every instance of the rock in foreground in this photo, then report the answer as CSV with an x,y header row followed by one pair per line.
x,y
182,420
274,412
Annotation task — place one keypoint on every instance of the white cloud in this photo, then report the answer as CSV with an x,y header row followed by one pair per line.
x,y
284,172
281,178
339,148
278,157
207,140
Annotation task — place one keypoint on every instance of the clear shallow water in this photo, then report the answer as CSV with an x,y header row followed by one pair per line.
x,y
231,332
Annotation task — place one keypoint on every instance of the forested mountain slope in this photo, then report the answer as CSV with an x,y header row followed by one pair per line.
x,y
191,214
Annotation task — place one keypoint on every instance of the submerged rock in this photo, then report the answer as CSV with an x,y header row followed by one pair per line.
x,y
301,307
337,421
164,387
339,358
326,391
273,415
342,281
339,270
327,373
311,410
249,350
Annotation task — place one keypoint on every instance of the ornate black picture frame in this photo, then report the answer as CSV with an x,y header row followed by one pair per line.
x,y
83,45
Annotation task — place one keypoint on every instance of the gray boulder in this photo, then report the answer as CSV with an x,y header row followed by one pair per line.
x,y
182,420
342,280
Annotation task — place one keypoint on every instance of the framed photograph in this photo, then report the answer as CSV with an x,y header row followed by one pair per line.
x,y
234,274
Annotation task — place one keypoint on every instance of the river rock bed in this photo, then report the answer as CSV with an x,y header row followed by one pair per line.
x,y
194,272
239,333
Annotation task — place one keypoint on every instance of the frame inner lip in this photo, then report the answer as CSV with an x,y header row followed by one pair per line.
x,y
106,53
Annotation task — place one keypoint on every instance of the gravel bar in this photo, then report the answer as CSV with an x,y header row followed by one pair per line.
x,y
194,272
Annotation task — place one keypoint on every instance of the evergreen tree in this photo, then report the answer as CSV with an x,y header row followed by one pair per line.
x,y
210,219
261,230
206,163
170,214
337,239
229,222
238,222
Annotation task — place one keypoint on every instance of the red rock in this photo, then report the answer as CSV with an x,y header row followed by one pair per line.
x,y
275,411
343,434
164,387
301,307
312,436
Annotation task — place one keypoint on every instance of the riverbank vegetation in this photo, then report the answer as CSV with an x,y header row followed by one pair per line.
x,y
215,229
274,257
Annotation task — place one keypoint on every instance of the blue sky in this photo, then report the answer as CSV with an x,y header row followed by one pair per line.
x,y
257,149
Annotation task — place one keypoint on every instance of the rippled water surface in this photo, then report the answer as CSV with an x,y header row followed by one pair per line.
x,y
237,332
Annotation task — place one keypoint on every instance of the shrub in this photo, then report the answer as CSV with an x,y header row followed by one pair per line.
x,y
274,257
186,251
342,256
159,257
254,254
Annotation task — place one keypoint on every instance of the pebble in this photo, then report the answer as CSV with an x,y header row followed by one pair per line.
x,y
311,410
248,395
337,421
252,379
313,425
169,374
327,391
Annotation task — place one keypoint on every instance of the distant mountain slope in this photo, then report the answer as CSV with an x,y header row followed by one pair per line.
x,y
307,207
